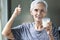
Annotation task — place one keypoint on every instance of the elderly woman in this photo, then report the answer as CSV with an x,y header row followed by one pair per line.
x,y
30,31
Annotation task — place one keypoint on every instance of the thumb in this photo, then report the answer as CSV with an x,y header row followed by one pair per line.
x,y
19,6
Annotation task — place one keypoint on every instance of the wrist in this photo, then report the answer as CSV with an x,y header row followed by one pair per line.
x,y
51,36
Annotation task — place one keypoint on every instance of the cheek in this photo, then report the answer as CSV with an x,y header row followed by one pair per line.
x,y
33,13
44,14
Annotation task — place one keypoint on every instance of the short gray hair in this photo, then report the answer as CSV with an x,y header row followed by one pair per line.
x,y
38,1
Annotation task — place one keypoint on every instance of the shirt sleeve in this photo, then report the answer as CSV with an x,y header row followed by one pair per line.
x,y
55,32
17,32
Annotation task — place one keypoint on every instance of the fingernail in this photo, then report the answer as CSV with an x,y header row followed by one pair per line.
x,y
19,5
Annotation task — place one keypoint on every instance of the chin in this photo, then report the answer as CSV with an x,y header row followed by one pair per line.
x,y
38,20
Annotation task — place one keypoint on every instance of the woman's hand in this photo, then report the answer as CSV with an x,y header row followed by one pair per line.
x,y
17,11
49,30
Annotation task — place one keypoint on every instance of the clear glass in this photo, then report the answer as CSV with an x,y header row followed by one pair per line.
x,y
45,21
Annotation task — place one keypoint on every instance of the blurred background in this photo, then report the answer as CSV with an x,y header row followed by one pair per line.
x,y
7,7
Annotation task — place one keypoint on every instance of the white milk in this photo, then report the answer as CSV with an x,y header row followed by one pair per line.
x,y
45,21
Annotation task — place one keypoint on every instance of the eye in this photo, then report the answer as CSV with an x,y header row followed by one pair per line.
x,y
42,10
36,10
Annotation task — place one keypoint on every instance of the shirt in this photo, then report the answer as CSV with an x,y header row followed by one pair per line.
x,y
27,32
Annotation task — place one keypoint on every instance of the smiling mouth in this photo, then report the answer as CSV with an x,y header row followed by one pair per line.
x,y
39,17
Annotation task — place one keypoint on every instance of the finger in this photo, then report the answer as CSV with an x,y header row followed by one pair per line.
x,y
19,6
50,24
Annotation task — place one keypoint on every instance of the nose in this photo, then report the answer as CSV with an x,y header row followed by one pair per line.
x,y
39,13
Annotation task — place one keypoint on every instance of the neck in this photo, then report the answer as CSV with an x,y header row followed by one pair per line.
x,y
38,25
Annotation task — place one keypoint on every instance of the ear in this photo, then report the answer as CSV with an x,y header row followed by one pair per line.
x,y
31,12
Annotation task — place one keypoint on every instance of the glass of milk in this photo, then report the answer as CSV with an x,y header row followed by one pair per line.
x,y
45,22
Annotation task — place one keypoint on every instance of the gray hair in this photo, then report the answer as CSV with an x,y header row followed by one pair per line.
x,y
38,1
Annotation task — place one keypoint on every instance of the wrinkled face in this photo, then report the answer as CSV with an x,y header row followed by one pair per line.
x,y
38,12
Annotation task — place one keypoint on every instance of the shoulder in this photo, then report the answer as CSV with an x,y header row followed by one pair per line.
x,y
24,25
28,25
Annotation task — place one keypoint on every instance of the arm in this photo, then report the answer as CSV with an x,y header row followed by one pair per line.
x,y
51,36
53,32
7,29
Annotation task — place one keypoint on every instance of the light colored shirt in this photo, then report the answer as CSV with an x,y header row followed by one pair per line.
x,y
28,32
